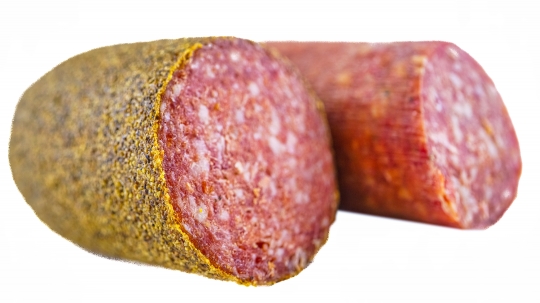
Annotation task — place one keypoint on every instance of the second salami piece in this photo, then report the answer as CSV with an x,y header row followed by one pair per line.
x,y
419,130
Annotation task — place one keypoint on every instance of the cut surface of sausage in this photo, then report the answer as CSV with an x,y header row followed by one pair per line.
x,y
419,130
247,161
469,136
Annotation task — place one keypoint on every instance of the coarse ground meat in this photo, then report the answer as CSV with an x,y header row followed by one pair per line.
x,y
419,130
247,161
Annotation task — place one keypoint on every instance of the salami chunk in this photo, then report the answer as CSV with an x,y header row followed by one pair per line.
x,y
419,130
204,155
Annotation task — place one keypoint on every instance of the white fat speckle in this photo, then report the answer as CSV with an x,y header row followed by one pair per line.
x,y
176,130
456,80
284,237
492,91
239,193
468,216
291,143
235,56
273,189
220,147
163,107
479,90
239,116
463,191
442,138
203,114
301,198
288,93
506,194
257,135
488,193
457,194
177,89
167,117
257,108
293,187
463,108
192,204
429,67
264,182
468,110
292,163
325,222
200,147
463,176
196,169
455,160
224,215
209,72
275,123
253,88
275,145
260,159
299,259
489,143
246,174
492,149
201,214
456,129
202,166
274,66
473,173
279,253
239,167
168,94
433,95
453,52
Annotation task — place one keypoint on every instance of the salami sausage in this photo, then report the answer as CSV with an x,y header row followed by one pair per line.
x,y
419,130
204,155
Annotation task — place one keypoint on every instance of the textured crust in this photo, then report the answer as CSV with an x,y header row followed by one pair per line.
x,y
84,153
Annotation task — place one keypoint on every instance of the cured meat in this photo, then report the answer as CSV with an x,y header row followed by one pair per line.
x,y
419,130
204,155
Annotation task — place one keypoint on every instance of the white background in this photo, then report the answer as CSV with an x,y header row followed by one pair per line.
x,y
367,259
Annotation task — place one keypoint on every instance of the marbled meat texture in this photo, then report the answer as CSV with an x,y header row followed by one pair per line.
x,y
205,155
419,130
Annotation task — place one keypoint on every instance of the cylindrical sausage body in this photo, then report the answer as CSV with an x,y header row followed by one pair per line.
x,y
419,130
204,155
